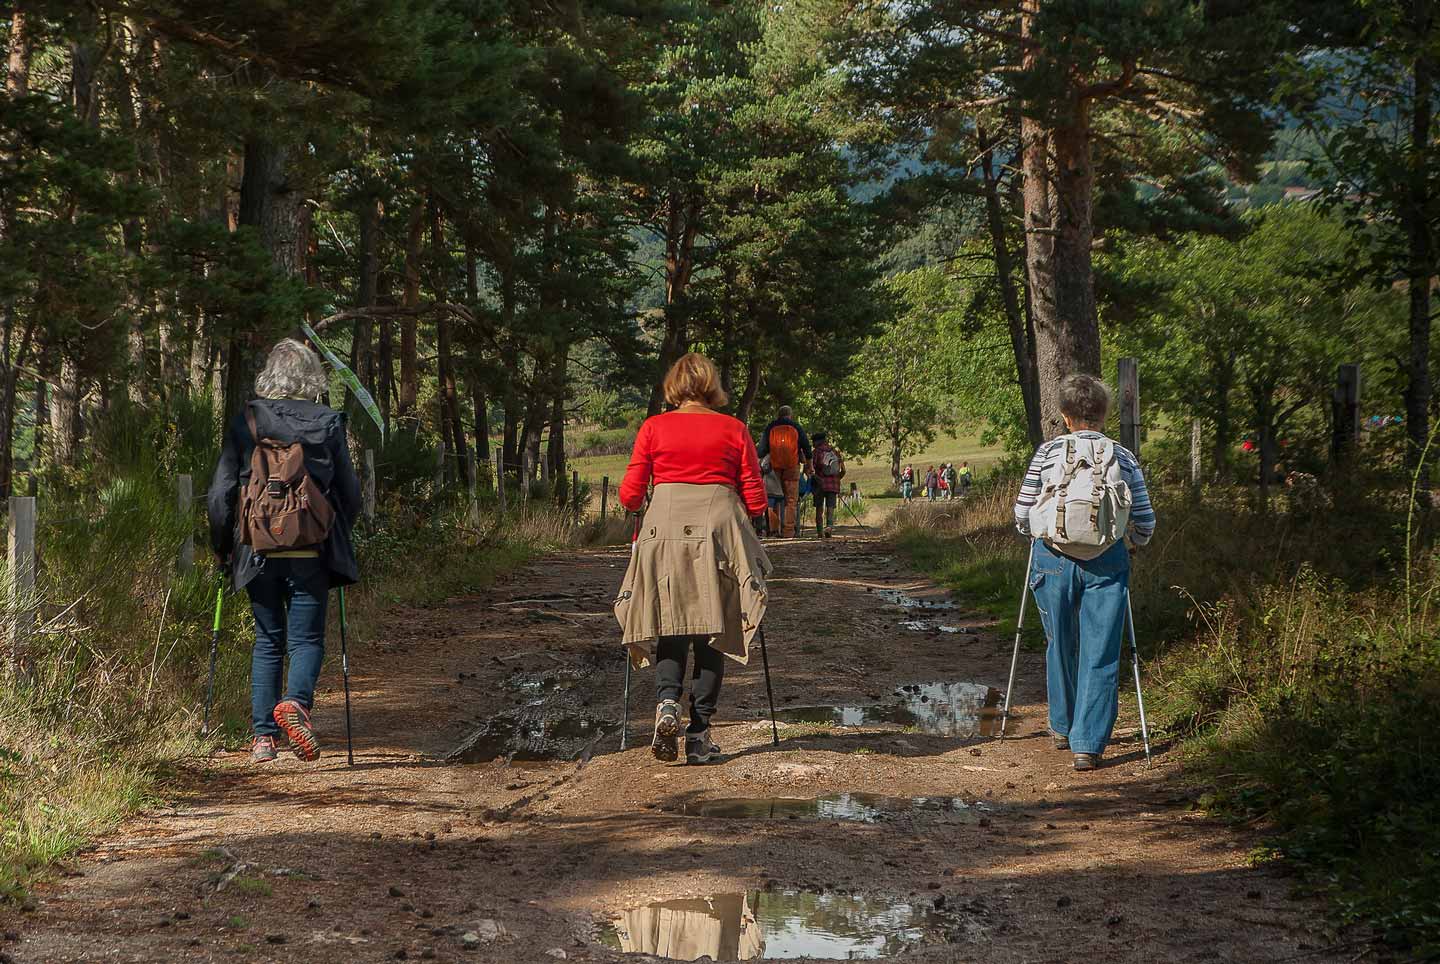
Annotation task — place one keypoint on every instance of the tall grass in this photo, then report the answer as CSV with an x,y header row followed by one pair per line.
x,y
1293,656
111,700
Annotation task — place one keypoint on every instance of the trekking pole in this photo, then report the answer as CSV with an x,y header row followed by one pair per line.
x,y
1019,627
625,714
1135,667
345,672
769,691
850,509
214,652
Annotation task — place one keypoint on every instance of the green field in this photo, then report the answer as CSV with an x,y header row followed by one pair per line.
x,y
871,474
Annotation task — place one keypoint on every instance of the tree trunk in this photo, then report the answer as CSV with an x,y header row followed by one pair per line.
x,y
752,387
367,290
1059,184
409,330
555,450
273,207
65,414
510,434
37,445
482,422
1015,316
681,225
17,61
1420,269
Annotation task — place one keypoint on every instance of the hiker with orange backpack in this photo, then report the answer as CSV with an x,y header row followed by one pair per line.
x,y
785,442
281,506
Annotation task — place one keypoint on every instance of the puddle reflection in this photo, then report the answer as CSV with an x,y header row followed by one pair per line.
x,y
774,925
861,807
962,710
898,598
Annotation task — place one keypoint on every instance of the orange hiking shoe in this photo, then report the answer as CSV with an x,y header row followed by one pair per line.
x,y
294,719
263,749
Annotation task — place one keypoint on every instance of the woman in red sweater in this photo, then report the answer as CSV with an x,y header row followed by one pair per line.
x,y
697,572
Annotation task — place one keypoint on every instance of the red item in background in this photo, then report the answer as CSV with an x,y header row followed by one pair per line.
x,y
696,448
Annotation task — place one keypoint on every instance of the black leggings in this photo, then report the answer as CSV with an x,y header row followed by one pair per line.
x,y
670,655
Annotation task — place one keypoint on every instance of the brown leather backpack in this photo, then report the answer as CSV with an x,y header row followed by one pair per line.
x,y
281,507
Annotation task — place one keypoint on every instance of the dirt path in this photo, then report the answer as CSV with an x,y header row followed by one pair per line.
x,y
408,856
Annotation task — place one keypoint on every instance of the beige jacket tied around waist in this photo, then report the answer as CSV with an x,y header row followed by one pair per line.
x,y
696,569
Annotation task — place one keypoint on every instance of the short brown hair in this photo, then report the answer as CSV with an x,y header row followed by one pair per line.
x,y
694,379
1084,399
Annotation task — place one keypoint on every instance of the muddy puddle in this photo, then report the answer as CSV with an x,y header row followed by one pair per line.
x,y
775,925
860,807
907,601
531,736
962,710
554,723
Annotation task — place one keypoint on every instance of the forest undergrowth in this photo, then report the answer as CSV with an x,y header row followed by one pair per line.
x,y
102,720
1291,659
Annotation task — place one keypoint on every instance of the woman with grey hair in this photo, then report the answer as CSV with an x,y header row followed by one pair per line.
x,y
281,506
1080,568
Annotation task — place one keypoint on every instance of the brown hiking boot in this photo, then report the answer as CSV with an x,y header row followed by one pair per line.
x,y
1084,762
665,747
294,719
263,750
699,748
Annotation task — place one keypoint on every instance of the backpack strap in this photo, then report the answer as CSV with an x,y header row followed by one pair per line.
x,y
250,422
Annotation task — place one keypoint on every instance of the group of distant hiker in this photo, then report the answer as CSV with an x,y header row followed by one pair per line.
x,y
947,482
285,497
793,468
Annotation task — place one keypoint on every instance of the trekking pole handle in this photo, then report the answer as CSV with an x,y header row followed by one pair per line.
x,y
219,601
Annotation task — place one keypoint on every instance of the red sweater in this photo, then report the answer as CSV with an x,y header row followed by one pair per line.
x,y
697,448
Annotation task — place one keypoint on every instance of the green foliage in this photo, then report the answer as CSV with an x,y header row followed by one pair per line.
x,y
1246,334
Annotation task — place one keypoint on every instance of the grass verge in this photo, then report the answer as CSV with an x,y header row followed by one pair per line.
x,y
108,705
1297,663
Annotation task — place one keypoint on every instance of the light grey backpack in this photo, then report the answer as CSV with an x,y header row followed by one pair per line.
x,y
1084,504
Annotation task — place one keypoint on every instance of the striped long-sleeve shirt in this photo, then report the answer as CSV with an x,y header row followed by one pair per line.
x,y
1142,513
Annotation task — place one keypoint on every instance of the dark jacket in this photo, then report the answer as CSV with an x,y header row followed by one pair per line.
x,y
764,447
321,432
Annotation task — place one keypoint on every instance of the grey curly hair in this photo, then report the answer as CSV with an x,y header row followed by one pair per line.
x,y
292,371
1085,399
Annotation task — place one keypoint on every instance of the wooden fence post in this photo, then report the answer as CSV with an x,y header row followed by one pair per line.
x,y
500,478
604,497
1128,376
1195,452
184,504
367,490
1345,408
522,496
575,493
21,592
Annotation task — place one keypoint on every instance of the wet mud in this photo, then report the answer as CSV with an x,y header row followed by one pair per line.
x,y
859,807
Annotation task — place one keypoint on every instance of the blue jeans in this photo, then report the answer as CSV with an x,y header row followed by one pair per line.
x,y
1082,606
905,489
288,598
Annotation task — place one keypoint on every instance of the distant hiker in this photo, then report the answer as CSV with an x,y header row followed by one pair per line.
x,y
697,573
932,484
789,450
1078,496
281,506
907,482
825,484
965,478
774,497
943,480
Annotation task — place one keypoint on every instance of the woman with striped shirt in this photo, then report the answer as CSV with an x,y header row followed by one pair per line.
x,y
1082,603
